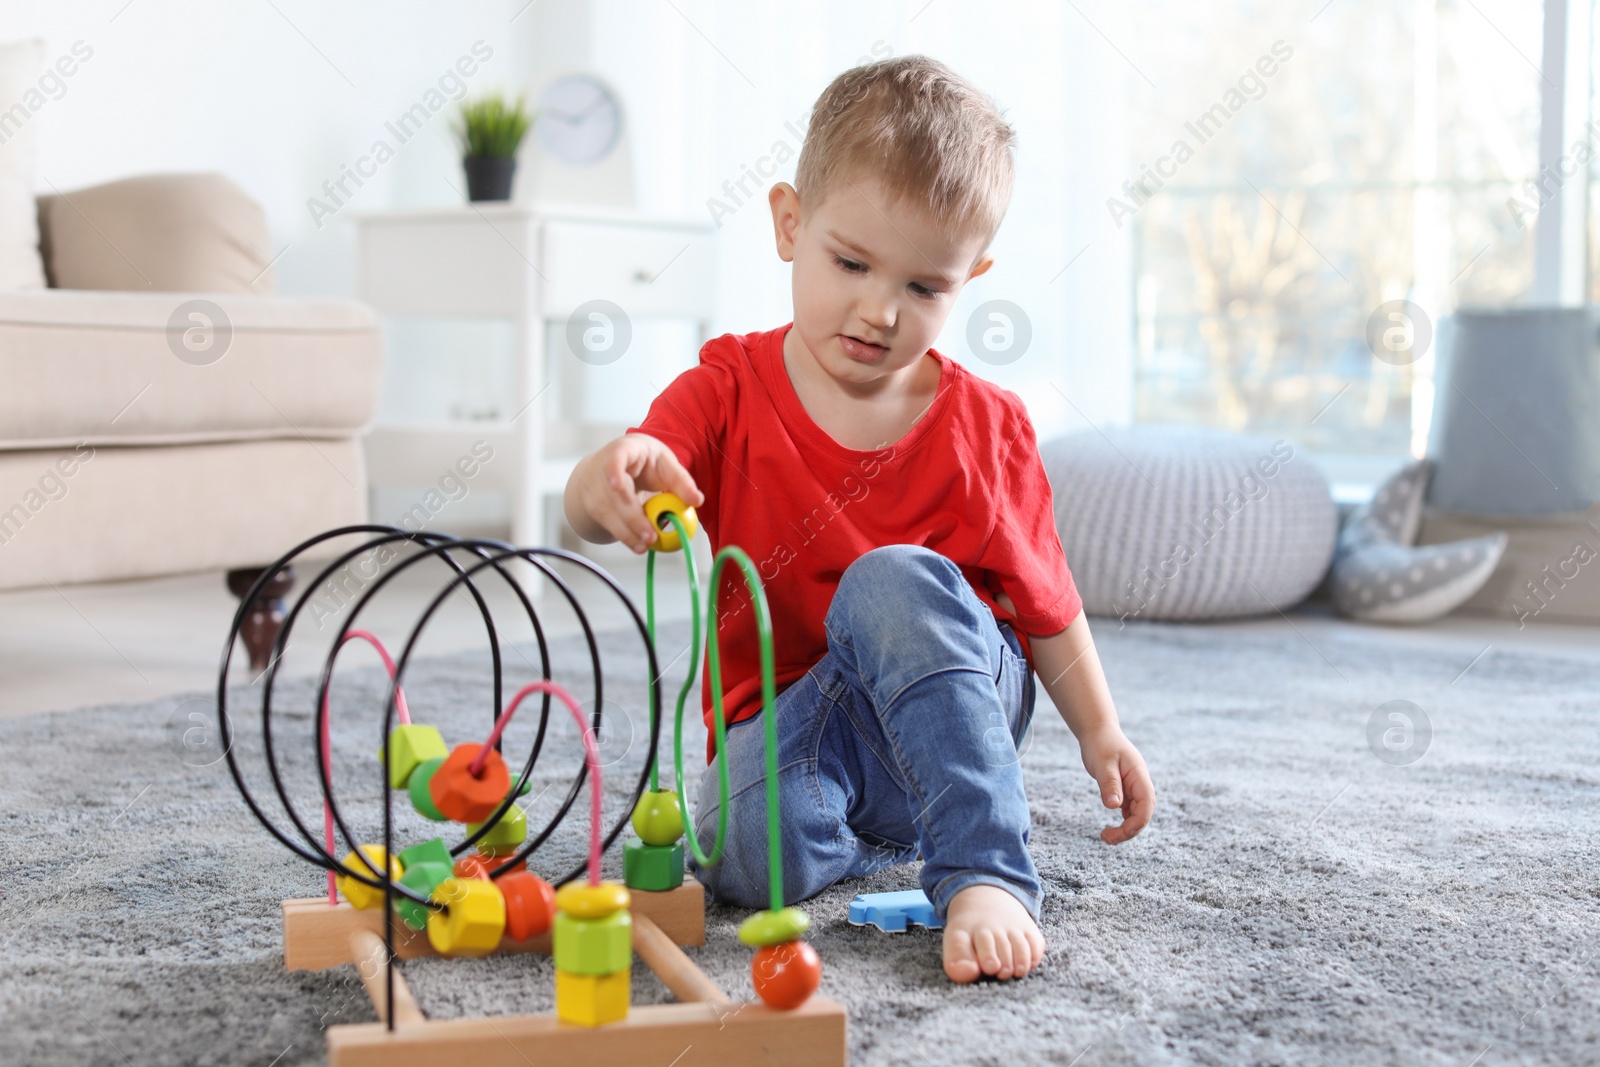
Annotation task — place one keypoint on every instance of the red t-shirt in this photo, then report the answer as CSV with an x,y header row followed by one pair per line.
x,y
966,482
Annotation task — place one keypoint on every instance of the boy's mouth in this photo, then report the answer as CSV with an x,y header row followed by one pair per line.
x,y
861,351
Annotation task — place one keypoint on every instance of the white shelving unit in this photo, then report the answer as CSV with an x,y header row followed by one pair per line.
x,y
531,265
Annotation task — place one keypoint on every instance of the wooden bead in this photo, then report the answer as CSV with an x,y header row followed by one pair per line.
x,y
658,818
473,918
466,797
652,867
478,865
530,905
786,974
593,946
359,894
412,744
667,539
434,851
419,786
592,999
773,927
424,877
505,835
583,901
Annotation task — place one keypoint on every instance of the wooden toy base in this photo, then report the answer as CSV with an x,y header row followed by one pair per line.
x,y
706,1028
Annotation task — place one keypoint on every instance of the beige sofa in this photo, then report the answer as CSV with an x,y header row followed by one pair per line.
x,y
160,409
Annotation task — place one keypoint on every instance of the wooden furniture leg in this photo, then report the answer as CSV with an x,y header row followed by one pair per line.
x,y
265,616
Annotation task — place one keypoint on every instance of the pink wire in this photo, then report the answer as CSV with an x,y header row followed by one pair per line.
x,y
327,746
591,755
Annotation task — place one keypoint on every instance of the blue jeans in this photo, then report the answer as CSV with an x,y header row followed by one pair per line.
x,y
902,741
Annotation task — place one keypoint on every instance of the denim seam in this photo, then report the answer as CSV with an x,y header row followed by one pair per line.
x,y
842,832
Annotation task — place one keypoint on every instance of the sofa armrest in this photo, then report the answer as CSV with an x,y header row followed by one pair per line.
x,y
157,233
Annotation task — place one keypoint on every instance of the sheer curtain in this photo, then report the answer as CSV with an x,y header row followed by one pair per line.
x,y
718,91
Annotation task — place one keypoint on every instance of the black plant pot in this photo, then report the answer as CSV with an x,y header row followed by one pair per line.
x,y
489,177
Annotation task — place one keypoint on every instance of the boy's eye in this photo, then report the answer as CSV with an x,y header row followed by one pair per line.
x,y
923,291
849,264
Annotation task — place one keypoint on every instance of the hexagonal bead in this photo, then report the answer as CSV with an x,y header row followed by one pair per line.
x,y
584,901
434,851
412,744
658,818
594,946
505,835
530,904
592,999
359,894
652,867
464,796
473,918
424,876
420,788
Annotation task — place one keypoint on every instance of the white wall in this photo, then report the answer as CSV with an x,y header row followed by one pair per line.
x,y
279,96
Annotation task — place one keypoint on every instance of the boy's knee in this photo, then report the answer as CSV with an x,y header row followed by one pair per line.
x,y
891,567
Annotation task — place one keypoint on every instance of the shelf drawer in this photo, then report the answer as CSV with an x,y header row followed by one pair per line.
x,y
644,270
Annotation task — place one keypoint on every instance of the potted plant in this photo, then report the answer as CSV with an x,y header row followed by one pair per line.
x,y
490,130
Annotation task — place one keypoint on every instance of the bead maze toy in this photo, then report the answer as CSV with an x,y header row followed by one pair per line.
x,y
480,895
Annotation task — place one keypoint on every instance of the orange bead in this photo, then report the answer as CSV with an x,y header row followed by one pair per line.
x,y
463,796
477,865
786,975
530,904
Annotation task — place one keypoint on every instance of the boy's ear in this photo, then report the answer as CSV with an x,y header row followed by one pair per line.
x,y
983,264
785,201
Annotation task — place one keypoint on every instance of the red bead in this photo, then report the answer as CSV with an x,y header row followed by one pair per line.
x,y
530,904
466,797
786,975
477,865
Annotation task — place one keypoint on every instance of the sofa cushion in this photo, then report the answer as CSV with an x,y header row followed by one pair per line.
x,y
132,368
1168,522
174,233
21,65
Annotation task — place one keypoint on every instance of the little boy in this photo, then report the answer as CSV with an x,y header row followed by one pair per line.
x,y
899,515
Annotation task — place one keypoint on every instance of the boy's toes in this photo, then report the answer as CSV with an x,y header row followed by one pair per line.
x,y
960,962
1021,954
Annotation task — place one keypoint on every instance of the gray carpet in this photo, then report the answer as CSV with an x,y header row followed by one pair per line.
x,y
1297,900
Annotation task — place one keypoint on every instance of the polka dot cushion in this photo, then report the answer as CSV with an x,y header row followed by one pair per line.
x,y
1379,576
1177,522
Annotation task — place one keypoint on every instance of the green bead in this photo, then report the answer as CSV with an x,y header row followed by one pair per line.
x,y
435,851
522,788
594,946
773,927
412,744
658,818
652,867
423,877
508,833
421,797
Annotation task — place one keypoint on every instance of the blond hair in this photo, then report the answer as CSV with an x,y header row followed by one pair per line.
x,y
934,140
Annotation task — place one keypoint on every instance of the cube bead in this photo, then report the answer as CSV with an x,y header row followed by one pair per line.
x,y
530,904
505,835
594,946
464,796
359,894
412,744
652,867
424,877
473,918
421,792
435,851
592,999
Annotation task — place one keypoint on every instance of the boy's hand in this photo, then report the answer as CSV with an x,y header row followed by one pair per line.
x,y
610,486
1112,761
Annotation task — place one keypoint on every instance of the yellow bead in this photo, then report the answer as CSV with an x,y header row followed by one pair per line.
x,y
659,505
359,894
584,901
593,999
473,918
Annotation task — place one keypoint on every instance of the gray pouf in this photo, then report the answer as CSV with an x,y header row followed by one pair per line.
x,y
1177,522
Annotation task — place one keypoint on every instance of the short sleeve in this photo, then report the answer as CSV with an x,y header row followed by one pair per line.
x,y
690,416
1023,553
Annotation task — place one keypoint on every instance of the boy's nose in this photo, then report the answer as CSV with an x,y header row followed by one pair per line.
x,y
878,312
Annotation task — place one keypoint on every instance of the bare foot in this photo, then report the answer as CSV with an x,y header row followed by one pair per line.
x,y
988,932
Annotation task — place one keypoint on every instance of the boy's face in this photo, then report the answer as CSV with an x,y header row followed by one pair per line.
x,y
874,279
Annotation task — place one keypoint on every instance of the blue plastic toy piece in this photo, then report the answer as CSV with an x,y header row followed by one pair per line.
x,y
890,912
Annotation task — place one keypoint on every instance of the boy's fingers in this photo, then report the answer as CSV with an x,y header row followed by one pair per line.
x,y
678,480
1136,814
627,521
1111,785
